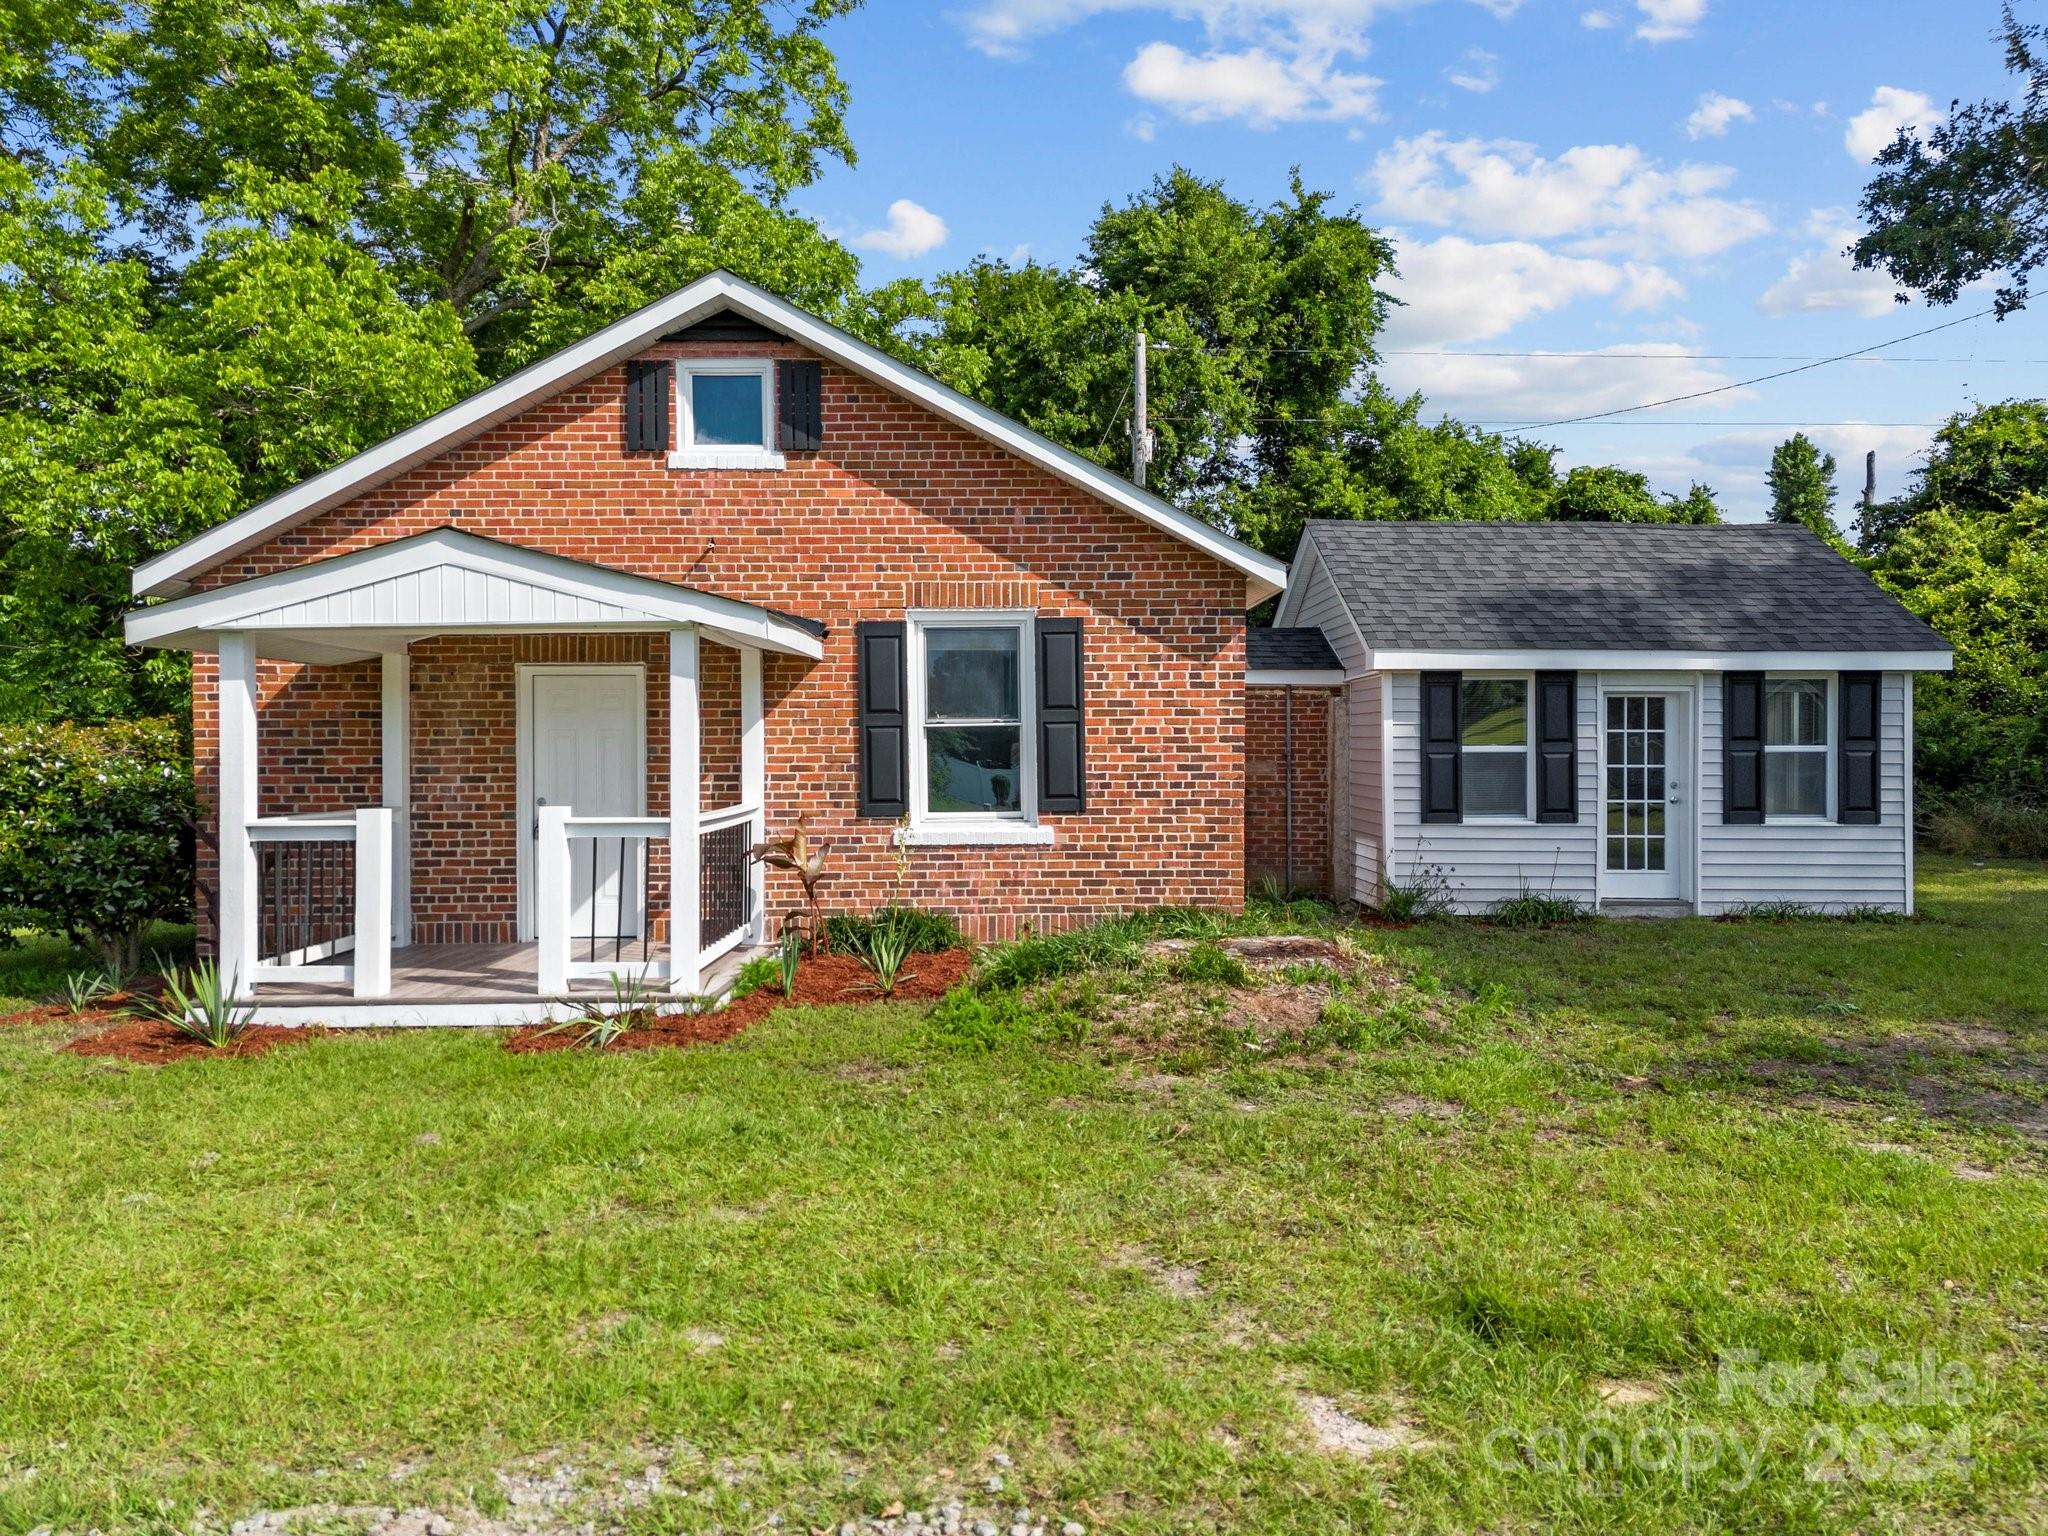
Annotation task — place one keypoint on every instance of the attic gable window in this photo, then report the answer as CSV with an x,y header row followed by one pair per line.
x,y
725,414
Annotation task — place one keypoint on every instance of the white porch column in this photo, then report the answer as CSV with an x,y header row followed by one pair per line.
x,y
372,955
551,898
238,896
754,782
397,793
685,787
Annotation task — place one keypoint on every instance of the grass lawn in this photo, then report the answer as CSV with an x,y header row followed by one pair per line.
x,y
1514,1238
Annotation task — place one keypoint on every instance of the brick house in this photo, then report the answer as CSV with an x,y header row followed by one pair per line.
x,y
442,692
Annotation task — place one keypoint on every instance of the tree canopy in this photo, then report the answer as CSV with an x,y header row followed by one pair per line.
x,y
1802,485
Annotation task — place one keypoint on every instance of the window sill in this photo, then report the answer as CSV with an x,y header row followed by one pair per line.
x,y
726,458
975,834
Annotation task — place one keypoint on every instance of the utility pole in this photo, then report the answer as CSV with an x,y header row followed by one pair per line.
x,y
1141,431
1869,481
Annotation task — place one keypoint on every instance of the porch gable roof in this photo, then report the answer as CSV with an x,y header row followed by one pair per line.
x,y
716,293
357,605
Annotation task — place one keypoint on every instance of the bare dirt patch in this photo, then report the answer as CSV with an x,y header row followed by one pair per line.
x,y
822,982
1183,1282
1337,1433
1970,1074
1628,1394
1410,1106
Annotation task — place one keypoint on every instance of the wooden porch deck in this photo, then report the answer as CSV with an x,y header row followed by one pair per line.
x,y
476,984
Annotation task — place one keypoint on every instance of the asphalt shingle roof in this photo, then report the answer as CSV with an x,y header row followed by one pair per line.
x,y
1609,586
1288,650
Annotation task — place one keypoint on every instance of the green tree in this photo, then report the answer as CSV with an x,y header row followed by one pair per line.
x,y
1970,198
1602,494
1802,483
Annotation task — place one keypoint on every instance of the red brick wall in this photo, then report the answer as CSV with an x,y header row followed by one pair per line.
x,y
1266,776
900,509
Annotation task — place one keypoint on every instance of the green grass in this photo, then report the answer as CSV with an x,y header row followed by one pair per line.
x,y
1587,1153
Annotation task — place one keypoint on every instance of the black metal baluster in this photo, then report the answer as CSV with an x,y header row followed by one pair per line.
x,y
619,915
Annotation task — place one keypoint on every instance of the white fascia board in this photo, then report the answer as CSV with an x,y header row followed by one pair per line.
x,y
1298,677
650,602
720,291
1664,661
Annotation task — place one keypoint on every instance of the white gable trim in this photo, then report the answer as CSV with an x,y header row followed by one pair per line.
x,y
448,579
172,571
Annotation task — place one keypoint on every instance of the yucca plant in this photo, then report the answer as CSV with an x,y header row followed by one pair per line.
x,y
797,854
888,946
787,956
598,1024
199,1004
84,988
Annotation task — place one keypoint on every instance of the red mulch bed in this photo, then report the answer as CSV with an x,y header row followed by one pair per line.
x,y
819,983
154,1042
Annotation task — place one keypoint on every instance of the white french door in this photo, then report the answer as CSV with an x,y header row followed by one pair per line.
x,y
583,744
1646,824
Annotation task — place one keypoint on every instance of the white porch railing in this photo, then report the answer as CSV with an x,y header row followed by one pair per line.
x,y
322,893
726,902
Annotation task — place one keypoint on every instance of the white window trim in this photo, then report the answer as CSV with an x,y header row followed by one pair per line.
x,y
1826,748
1527,748
687,454
928,828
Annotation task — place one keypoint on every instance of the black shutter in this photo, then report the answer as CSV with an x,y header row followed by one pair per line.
x,y
647,406
1443,789
1856,766
800,412
1557,746
1062,777
884,790
1742,749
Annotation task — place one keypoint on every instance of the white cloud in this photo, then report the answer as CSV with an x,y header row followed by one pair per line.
x,y
1666,21
1823,279
1596,21
1252,84
1501,9
1605,197
1890,109
912,230
1144,127
1714,115
1534,389
1006,28
1456,290
1477,71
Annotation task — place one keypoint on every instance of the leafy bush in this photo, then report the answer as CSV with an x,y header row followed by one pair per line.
x,y
756,974
1537,909
96,832
1208,962
927,933
888,946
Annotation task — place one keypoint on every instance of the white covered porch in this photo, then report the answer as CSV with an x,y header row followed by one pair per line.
x,y
316,908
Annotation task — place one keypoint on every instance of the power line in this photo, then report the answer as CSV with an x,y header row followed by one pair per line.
x,y
1324,426
1700,357
1765,378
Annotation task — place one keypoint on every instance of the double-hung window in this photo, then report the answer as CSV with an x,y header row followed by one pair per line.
x,y
1494,747
973,750
1796,754
726,414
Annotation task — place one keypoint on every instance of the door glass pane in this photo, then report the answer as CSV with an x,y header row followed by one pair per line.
x,y
971,674
1496,784
725,409
1795,783
974,767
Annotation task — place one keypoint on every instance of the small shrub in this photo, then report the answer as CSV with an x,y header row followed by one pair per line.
x,y
787,958
1537,909
1116,941
196,1003
1208,962
84,988
888,946
597,1024
1427,895
96,832
928,933
754,975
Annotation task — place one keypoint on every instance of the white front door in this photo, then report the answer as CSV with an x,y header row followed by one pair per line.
x,y
583,744
1646,830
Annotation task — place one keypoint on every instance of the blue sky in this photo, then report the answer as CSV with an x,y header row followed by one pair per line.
x,y
1670,179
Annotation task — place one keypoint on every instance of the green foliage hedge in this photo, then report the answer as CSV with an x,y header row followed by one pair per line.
x,y
96,831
